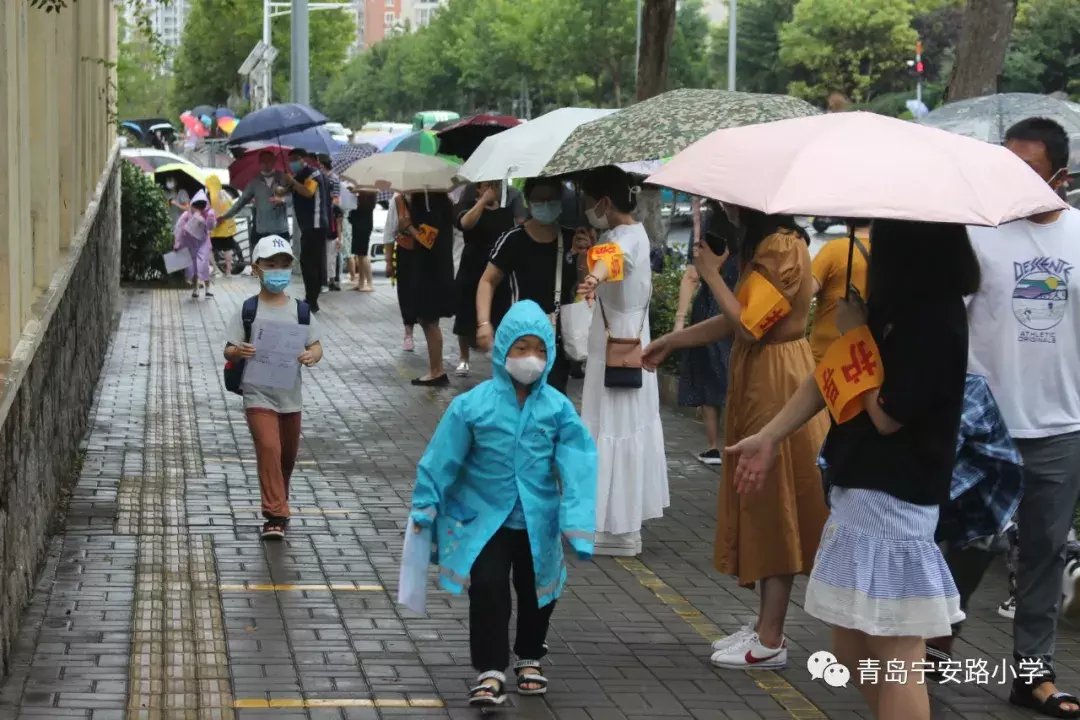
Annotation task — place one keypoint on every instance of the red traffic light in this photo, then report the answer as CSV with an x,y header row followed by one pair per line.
x,y
919,67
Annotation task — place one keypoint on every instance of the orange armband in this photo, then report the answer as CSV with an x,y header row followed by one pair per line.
x,y
763,305
611,255
851,368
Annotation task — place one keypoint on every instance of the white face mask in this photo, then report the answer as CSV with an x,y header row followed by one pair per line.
x,y
600,222
526,370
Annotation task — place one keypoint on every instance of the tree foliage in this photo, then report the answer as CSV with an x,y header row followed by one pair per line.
x,y
139,78
219,35
1044,55
513,56
757,52
857,47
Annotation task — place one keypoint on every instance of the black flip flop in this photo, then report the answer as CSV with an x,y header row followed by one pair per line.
x,y
1023,696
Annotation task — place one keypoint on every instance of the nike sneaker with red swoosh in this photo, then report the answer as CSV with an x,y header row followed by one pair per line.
x,y
751,654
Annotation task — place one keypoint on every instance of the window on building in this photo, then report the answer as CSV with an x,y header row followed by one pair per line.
x,y
388,19
389,3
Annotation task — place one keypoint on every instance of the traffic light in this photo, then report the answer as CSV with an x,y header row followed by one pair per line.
x,y
920,68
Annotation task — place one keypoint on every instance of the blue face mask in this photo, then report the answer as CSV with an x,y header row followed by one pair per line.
x,y
296,166
276,281
546,212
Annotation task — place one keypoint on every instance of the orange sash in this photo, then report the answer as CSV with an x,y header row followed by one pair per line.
x,y
851,367
763,305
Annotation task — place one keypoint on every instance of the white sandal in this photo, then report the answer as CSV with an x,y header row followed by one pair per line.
x,y
526,678
494,696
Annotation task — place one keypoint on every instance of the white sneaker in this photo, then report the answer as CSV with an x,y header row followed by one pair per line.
x,y
751,655
462,369
1007,609
740,636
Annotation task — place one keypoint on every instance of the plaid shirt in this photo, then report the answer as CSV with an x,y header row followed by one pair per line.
x,y
988,478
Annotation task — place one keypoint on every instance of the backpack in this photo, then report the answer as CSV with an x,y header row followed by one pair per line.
x,y
234,370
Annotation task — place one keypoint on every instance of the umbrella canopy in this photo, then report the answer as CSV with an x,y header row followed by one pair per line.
x,y
463,137
276,120
524,150
316,140
194,125
227,124
188,177
379,140
421,141
666,124
224,112
246,167
987,118
818,166
200,110
402,171
349,154
140,162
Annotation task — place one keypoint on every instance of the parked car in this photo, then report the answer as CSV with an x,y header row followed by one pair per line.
x,y
338,131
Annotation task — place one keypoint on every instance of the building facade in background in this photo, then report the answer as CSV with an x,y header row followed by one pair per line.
x,y
167,19
378,19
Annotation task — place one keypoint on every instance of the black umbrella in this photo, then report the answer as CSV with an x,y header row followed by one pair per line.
x,y
200,110
275,121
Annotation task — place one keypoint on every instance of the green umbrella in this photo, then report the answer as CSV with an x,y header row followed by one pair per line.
x,y
424,142
665,125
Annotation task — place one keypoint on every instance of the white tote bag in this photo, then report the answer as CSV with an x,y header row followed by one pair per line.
x,y
412,579
576,321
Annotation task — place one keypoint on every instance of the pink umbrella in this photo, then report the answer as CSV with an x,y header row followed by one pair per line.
x,y
246,168
194,125
860,164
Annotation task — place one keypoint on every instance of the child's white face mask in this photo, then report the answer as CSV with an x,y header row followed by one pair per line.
x,y
527,369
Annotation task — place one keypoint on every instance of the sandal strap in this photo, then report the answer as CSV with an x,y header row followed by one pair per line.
x,y
492,675
521,664
533,678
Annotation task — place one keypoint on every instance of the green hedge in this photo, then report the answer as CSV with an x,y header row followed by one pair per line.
x,y
145,227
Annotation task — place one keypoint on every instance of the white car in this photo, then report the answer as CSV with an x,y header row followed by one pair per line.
x,y
339,132
153,157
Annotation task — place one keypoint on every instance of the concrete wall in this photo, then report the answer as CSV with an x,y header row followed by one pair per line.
x,y
59,264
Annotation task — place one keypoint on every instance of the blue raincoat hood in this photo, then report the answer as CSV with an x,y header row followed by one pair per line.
x,y
523,318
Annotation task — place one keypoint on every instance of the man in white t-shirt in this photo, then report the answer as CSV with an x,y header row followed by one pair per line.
x,y
1025,338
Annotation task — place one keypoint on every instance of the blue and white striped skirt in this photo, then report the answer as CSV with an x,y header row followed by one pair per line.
x,y
878,569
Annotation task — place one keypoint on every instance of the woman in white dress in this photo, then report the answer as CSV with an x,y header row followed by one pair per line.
x,y
632,482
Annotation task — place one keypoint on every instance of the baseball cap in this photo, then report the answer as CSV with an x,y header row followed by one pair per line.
x,y
270,246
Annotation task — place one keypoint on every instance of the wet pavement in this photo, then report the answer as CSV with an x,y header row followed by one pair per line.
x,y
159,601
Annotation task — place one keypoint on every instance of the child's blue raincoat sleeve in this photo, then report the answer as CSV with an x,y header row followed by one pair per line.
x,y
576,460
441,463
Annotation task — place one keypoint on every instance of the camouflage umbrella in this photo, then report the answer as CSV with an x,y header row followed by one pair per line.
x,y
987,118
665,125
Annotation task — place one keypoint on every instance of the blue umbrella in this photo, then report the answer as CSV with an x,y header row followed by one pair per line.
x,y
275,122
223,112
316,140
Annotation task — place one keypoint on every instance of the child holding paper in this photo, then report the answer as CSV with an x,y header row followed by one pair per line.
x,y
487,486
774,536
894,385
273,414
192,236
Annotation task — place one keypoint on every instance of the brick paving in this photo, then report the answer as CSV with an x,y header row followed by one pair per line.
x,y
158,600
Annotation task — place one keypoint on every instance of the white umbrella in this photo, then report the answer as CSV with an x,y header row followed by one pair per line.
x,y
403,172
524,150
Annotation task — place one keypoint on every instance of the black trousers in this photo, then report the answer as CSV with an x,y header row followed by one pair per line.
x,y
560,369
489,603
313,263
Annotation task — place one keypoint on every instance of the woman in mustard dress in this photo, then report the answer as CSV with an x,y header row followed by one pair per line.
x,y
771,537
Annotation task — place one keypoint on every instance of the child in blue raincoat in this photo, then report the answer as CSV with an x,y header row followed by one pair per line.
x,y
510,470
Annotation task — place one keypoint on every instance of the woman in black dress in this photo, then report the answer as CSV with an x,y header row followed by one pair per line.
x,y
426,276
362,220
482,220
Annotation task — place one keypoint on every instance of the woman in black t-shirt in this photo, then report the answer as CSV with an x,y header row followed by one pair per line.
x,y
482,220
538,260
879,579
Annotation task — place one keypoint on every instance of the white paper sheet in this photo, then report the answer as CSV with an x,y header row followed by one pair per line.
x,y
412,579
176,261
277,347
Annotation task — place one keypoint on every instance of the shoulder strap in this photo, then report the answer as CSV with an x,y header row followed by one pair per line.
x,y
862,249
560,258
303,312
247,315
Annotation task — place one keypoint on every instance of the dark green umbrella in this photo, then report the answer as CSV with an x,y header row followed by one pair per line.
x,y
667,124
